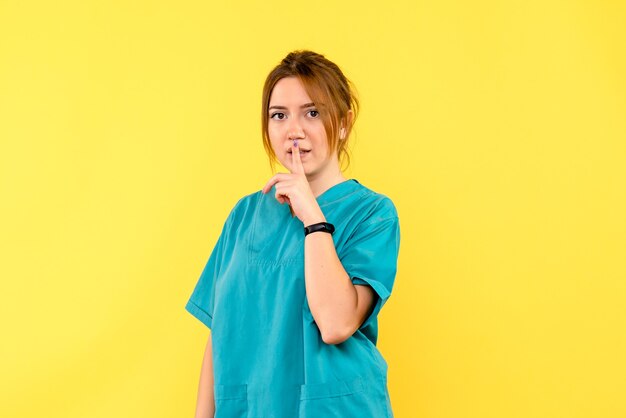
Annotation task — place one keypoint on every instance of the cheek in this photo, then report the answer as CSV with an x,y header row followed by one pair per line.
x,y
273,136
272,129
320,137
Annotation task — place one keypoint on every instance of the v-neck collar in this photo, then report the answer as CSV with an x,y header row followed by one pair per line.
x,y
338,191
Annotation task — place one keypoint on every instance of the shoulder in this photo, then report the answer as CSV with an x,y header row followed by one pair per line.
x,y
244,204
251,203
370,228
376,206
248,200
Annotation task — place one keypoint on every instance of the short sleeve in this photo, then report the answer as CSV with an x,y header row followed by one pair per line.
x,y
370,258
201,301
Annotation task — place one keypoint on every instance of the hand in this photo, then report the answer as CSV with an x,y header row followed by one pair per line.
x,y
293,188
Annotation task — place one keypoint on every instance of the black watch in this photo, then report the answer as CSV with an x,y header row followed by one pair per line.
x,y
322,226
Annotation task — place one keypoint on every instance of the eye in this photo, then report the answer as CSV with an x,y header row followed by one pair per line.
x,y
277,115
314,113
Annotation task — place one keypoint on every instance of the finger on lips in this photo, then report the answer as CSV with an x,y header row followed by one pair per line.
x,y
296,168
295,158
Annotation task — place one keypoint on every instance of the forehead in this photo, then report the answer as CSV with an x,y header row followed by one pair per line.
x,y
289,90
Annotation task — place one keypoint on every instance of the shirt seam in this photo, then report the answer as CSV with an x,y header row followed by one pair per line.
x,y
380,220
363,192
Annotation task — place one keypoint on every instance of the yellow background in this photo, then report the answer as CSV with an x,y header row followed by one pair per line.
x,y
129,129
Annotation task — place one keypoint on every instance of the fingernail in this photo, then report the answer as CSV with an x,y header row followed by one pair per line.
x,y
295,143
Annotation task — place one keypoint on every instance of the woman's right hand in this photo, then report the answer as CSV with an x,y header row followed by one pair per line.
x,y
205,405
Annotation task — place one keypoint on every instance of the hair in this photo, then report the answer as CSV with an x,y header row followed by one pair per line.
x,y
333,94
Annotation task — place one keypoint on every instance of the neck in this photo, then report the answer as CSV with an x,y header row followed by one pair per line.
x,y
321,183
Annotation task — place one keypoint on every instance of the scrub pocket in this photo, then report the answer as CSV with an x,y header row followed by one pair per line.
x,y
231,401
355,398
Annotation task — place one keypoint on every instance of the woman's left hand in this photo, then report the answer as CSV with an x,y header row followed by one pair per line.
x,y
293,188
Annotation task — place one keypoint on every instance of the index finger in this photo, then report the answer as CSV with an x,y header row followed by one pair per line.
x,y
296,162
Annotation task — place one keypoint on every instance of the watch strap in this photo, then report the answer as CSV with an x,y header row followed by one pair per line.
x,y
321,226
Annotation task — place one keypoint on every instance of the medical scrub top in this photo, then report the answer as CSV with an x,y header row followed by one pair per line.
x,y
269,359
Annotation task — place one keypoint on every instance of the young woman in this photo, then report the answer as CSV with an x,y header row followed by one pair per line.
x,y
301,269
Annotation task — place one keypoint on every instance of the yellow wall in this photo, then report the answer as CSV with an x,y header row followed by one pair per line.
x,y
129,129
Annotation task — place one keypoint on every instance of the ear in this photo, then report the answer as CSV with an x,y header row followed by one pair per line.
x,y
349,119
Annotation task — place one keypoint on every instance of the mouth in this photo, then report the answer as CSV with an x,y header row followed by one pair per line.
x,y
302,151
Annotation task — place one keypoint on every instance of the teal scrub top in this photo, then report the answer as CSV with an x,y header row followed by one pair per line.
x,y
269,359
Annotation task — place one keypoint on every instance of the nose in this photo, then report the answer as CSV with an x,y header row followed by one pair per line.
x,y
295,131
291,136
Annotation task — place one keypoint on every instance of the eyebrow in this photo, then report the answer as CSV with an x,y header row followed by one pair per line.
x,y
301,107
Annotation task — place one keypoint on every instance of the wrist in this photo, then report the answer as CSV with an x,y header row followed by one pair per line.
x,y
313,220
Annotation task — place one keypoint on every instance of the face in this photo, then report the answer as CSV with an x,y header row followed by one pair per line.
x,y
292,115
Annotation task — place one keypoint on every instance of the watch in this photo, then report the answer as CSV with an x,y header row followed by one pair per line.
x,y
322,226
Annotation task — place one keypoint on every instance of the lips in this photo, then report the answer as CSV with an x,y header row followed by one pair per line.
x,y
302,151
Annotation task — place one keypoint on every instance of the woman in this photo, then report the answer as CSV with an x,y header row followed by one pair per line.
x,y
301,269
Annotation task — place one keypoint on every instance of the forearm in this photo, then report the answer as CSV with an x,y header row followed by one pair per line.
x,y
205,406
330,293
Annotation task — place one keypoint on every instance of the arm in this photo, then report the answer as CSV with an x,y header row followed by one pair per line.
x,y
338,307
205,407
